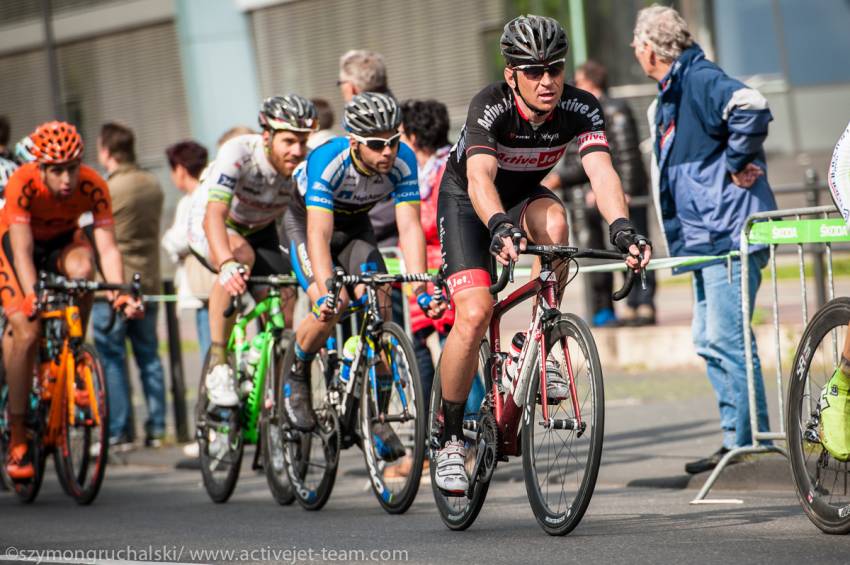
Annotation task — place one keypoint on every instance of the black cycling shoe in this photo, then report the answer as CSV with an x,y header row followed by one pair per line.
x,y
298,398
386,442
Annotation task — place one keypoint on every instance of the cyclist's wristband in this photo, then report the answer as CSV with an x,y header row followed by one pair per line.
x,y
497,220
316,309
230,259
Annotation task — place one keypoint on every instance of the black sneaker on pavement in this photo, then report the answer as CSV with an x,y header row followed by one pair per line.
x,y
298,398
707,463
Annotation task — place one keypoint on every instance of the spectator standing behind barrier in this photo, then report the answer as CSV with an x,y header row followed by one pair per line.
x,y
8,165
622,133
365,71
326,123
137,208
708,176
193,281
5,131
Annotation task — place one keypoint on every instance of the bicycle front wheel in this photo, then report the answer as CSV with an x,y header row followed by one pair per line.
x,y
561,456
392,421
220,445
272,425
81,455
821,481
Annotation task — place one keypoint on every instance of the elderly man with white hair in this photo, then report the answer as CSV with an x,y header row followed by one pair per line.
x,y
709,168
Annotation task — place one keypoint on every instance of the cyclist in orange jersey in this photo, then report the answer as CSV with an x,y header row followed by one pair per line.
x,y
39,231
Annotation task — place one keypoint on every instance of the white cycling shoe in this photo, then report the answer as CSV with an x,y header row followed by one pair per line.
x,y
221,389
450,474
557,388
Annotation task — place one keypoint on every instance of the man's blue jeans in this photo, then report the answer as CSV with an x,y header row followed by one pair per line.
x,y
112,349
718,334
202,323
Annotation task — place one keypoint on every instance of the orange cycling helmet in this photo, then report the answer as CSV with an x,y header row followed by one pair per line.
x,y
56,142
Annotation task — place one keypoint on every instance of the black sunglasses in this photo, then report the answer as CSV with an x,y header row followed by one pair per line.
x,y
536,72
378,143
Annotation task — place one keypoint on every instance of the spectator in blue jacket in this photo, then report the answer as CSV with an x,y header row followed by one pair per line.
x,y
708,173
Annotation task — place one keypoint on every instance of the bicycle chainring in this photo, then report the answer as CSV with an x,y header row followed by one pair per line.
x,y
489,431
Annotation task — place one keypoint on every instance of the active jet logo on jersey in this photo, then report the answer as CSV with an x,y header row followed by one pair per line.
x,y
579,107
228,181
492,112
592,139
528,158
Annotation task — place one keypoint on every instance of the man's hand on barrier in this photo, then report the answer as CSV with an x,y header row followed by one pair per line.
x,y
625,238
747,177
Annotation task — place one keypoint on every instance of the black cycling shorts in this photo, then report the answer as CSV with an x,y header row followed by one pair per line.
x,y
268,256
355,249
465,239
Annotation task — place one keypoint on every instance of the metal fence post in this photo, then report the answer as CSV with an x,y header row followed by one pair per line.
x,y
175,362
812,200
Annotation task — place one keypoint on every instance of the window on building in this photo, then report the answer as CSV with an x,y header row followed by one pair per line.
x,y
816,40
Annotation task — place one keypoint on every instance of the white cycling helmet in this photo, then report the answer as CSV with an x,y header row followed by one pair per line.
x,y
839,175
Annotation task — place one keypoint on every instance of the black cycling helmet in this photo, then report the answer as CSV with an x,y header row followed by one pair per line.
x,y
290,112
533,40
369,113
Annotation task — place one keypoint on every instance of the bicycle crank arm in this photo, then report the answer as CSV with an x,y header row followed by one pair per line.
x,y
405,417
479,460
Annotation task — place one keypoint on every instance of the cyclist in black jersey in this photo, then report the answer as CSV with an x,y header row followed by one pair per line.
x,y
515,132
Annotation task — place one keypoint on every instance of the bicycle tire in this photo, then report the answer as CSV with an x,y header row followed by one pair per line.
x,y
25,491
457,512
271,425
804,449
218,489
381,487
311,497
74,460
556,522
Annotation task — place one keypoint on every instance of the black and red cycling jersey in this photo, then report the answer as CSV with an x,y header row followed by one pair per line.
x,y
496,126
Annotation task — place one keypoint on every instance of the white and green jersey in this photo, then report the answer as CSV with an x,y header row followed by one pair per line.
x,y
839,175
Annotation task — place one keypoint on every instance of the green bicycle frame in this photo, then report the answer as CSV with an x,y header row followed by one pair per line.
x,y
238,345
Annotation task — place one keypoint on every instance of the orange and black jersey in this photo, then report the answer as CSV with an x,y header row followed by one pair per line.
x,y
496,126
29,201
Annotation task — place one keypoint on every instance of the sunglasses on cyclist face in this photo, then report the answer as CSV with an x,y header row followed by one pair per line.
x,y
536,72
378,143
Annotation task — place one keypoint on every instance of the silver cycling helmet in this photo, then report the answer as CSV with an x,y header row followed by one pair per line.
x,y
533,40
369,113
290,112
24,150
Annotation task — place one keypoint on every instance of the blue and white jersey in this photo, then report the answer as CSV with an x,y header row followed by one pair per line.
x,y
328,180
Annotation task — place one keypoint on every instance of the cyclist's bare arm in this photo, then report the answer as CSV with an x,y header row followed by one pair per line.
x,y
216,231
481,172
411,240
110,256
610,198
320,227
20,236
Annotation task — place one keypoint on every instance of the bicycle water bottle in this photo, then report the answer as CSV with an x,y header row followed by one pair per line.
x,y
249,364
510,372
349,349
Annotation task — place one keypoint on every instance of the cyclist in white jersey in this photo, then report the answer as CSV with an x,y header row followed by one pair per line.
x,y
835,396
232,230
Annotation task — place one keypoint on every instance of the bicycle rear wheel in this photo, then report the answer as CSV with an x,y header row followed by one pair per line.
x,y
219,435
272,425
400,406
82,452
458,512
27,490
821,481
312,458
560,462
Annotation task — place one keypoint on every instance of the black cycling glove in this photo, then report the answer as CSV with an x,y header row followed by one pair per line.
x,y
500,227
623,236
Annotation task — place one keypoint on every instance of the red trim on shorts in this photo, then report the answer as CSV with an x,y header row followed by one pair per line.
x,y
469,278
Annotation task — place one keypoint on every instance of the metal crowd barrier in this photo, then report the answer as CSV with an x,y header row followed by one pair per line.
x,y
809,226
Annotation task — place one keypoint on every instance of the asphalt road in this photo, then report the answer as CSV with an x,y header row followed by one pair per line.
x,y
149,511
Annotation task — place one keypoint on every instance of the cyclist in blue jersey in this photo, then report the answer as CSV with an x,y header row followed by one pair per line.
x,y
328,223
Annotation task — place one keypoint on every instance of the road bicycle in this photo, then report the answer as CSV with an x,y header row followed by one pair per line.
x,y
68,413
222,433
353,399
821,481
560,441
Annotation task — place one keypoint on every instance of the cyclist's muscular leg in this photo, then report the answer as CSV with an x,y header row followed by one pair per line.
x,y
19,358
77,262
545,222
473,307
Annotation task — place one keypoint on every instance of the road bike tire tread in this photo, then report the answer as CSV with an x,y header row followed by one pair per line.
x,y
281,489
